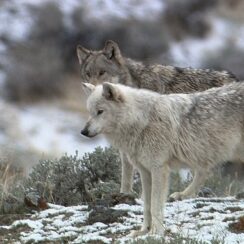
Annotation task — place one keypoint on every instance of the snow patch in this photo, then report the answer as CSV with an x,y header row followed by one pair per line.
x,y
203,219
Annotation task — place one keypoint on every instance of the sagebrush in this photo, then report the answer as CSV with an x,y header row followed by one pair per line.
x,y
73,180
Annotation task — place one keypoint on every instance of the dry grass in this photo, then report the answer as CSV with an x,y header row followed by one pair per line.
x,y
11,192
9,174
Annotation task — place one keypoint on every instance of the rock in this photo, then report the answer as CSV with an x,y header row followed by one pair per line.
x,y
113,199
240,195
206,192
105,215
34,201
237,227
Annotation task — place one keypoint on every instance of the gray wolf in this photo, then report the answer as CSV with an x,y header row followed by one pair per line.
x,y
108,64
158,132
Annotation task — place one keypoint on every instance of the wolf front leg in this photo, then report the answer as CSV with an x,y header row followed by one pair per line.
x,y
160,181
147,191
198,179
127,174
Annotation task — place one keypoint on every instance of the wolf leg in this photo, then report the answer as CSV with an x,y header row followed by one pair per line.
x,y
198,179
147,189
160,177
127,174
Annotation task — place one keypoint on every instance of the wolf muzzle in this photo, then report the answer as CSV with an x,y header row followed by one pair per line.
x,y
85,132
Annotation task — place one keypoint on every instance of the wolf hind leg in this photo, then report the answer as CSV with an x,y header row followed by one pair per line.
x,y
190,191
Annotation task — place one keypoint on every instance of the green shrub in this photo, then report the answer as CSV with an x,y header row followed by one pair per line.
x,y
71,180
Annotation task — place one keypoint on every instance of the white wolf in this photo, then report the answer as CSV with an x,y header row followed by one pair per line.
x,y
161,131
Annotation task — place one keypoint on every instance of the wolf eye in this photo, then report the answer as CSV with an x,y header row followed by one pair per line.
x,y
100,111
102,72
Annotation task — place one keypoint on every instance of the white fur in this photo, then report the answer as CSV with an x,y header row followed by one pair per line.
x,y
158,131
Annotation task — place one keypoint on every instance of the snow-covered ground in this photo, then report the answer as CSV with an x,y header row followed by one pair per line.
x,y
203,219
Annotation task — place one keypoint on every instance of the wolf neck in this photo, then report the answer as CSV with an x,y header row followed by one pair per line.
x,y
134,121
130,135
125,139
148,77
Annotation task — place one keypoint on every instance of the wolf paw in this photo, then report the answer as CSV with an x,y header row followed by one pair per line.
x,y
157,230
176,196
135,233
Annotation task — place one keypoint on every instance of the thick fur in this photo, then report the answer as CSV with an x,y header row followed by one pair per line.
x,y
108,64
158,132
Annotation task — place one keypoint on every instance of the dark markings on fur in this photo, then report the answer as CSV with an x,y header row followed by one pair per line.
x,y
179,70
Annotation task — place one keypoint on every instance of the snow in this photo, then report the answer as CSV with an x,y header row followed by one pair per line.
x,y
202,219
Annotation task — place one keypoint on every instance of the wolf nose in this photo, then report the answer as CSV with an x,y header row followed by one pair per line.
x,y
84,132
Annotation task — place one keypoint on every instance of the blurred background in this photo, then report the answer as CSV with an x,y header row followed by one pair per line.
x,y
41,105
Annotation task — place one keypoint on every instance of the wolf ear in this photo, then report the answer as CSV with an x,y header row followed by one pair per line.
x,y
112,92
88,88
111,51
82,53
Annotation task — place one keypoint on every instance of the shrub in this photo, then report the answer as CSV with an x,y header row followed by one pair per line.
x,y
70,180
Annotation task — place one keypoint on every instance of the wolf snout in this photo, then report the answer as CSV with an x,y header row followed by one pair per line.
x,y
85,132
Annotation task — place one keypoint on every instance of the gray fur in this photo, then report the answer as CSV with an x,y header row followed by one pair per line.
x,y
108,65
158,132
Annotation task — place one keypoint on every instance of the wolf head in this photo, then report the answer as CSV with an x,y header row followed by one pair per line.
x,y
106,105
105,65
